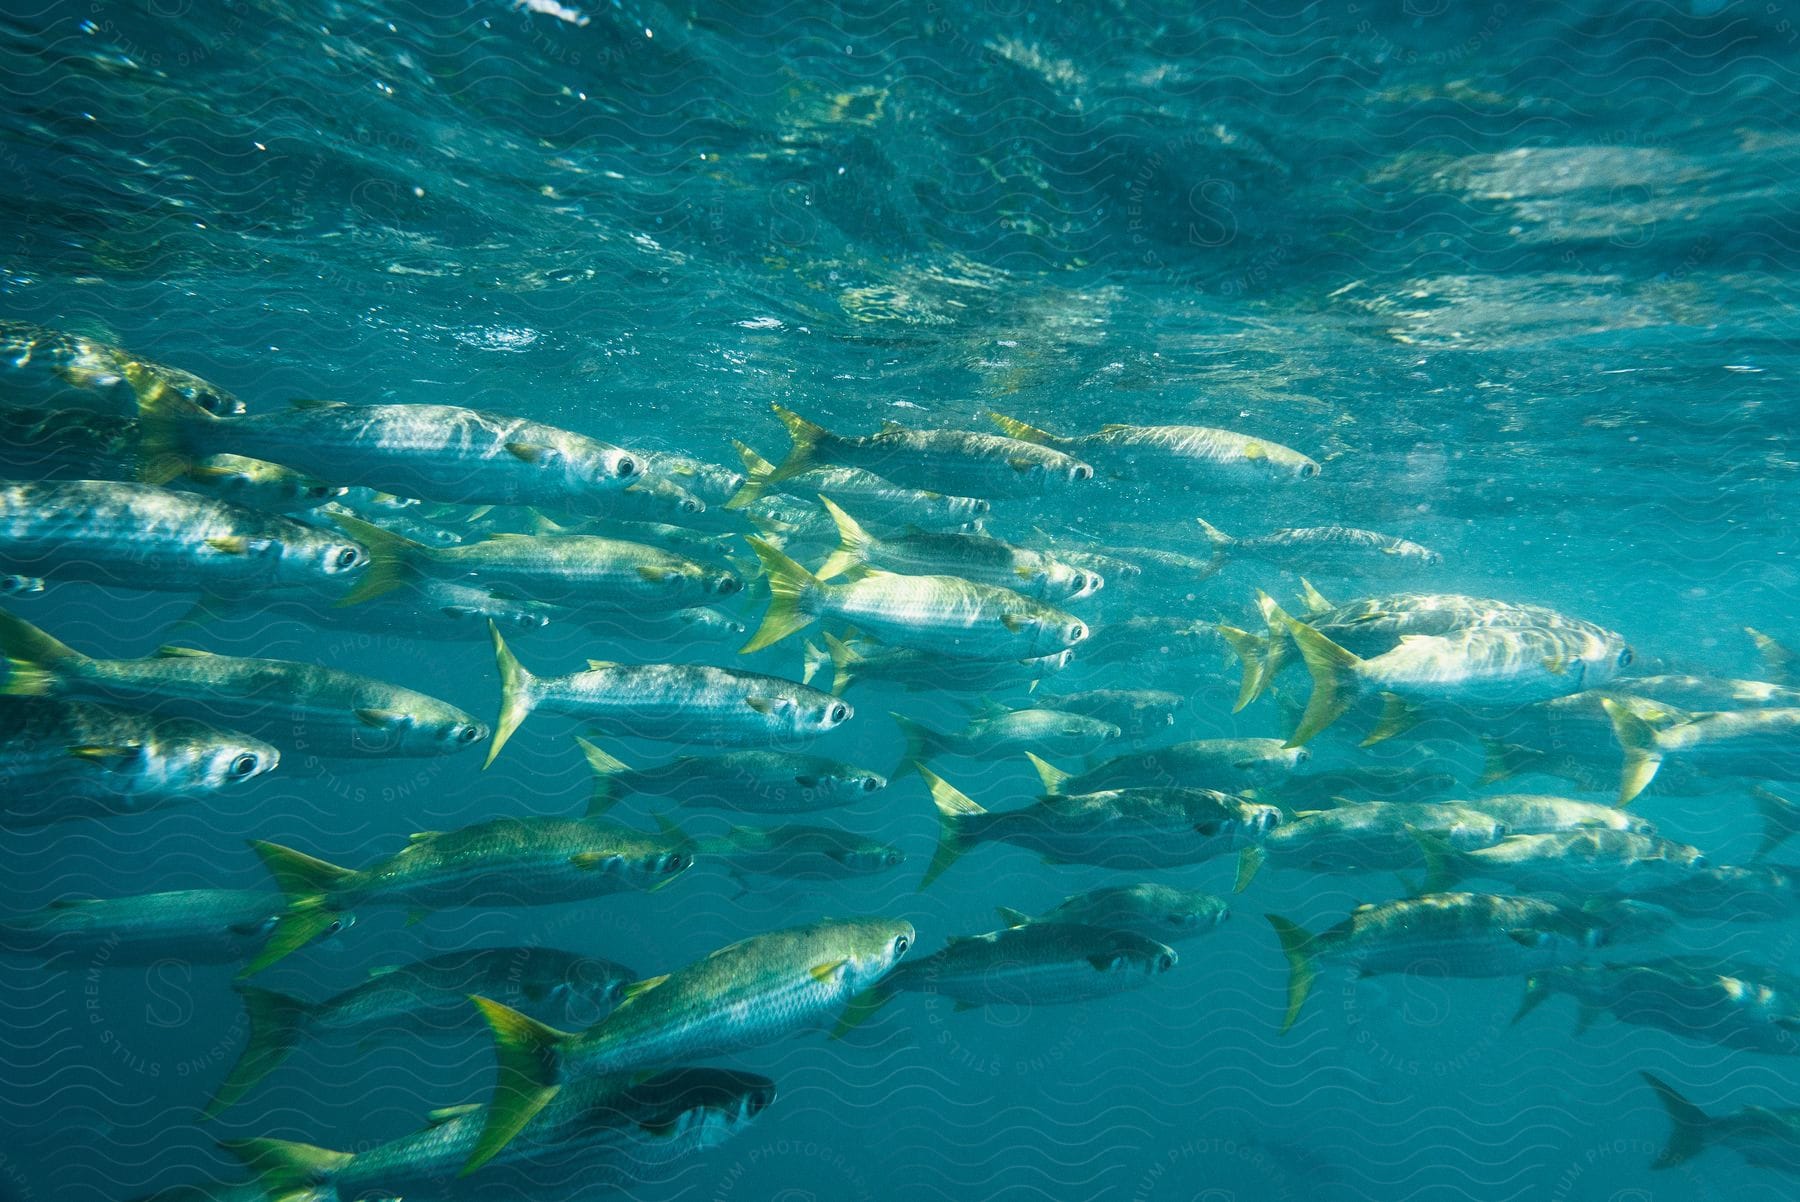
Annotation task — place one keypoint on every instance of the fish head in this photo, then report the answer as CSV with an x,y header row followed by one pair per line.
x,y
869,858
188,755
827,713
1126,952
721,584
692,1107
236,761
1194,912
1474,832
336,560
840,783
577,990
871,948
425,728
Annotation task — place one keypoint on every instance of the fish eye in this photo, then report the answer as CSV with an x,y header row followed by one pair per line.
x,y
729,585
1082,472
1625,658
1165,962
468,734
1207,829
1077,631
980,506
901,943
1308,470
347,557
870,784
627,466
244,765
839,712
1301,755
692,505
319,492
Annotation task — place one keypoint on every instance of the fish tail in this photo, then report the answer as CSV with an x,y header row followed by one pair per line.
x,y
1049,775
605,769
163,417
1313,599
391,558
853,543
308,883
1780,819
789,586
277,1022
1220,542
34,660
757,472
518,694
1397,718
922,743
1250,862
528,1056
1442,869
954,811
1637,739
1012,427
1251,651
1537,988
1334,681
805,437
1296,944
1502,760
864,1006
284,1169
1689,1126
844,658
811,660
1779,660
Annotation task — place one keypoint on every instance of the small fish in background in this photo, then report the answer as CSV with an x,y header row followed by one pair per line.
x,y
924,671
328,711
690,703
1760,744
1233,765
879,501
997,732
1324,550
798,852
753,782
1149,644
49,369
1037,964
1138,713
66,760
1190,456
199,926
1581,863
1375,836
1156,911
1724,1002
962,462
1765,1138
417,999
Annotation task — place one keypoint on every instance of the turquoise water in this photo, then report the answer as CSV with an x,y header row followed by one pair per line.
x,y
1520,278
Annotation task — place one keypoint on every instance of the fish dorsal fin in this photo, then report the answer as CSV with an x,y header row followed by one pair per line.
x,y
890,426
987,707
1313,599
179,652
637,989
437,1118
307,402
1012,917
422,836
600,665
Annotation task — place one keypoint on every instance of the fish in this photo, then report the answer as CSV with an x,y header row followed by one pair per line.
x,y
424,997
879,500
577,571
1765,1138
1320,790
598,1130
197,926
1332,550
714,484
963,462
1760,743
1545,814
1483,665
1138,713
997,732
1461,935
1782,663
1721,1002
797,852
924,670
47,369
1164,913
975,557
1733,893
692,703
945,615
1038,964
300,707
514,861
1370,837
64,760
420,609
1186,456
1588,862
1146,642
744,995
433,452
751,782
1117,828
1232,765
140,536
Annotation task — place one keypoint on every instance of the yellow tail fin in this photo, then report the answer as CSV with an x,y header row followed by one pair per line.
x,y
921,743
954,810
287,1170
843,660
277,1022
1637,739
528,1061
34,660
1296,944
757,472
789,587
805,437
1250,862
518,694
1012,427
1335,682
1049,775
162,450
854,543
1250,651
605,768
391,558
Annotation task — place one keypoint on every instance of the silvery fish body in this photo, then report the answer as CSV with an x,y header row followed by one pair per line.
x,y
46,369
201,926
1038,964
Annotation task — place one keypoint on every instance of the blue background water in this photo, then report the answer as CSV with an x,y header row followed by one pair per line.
x,y
1521,277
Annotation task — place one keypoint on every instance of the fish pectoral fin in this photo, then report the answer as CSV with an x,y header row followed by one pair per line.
x,y
527,451
422,836
825,971
229,544
599,665
1556,665
1020,465
765,705
380,719
655,574
444,1114
305,402
588,861
178,652
105,756
1012,622
1255,450
1527,938
638,988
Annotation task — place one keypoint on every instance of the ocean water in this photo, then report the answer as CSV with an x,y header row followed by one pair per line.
x,y
1521,278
